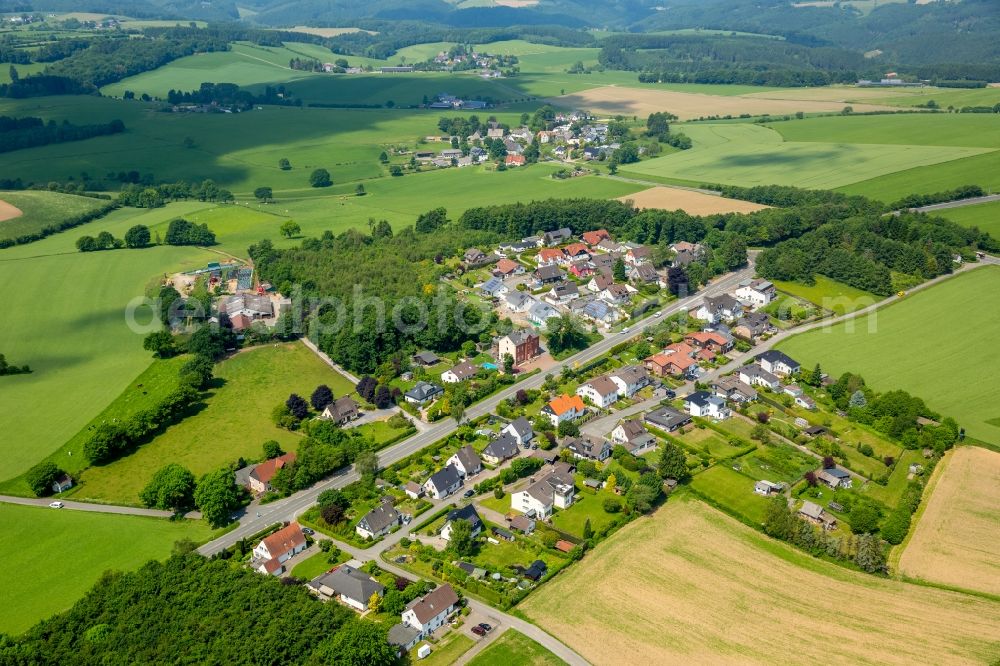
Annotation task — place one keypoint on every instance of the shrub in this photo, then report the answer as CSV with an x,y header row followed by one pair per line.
x,y
612,505
41,477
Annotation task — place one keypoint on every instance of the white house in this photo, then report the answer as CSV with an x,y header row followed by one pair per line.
x,y
467,513
778,362
443,483
379,521
458,373
767,488
835,478
466,461
270,555
703,403
500,449
520,429
757,293
431,611
555,490
719,308
633,436
629,379
805,402
755,375
518,301
563,408
600,391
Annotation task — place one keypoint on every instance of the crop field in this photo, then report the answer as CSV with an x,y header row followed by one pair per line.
x,y
235,421
732,490
61,554
687,583
831,295
957,538
513,647
744,154
921,345
694,203
986,216
28,212
75,338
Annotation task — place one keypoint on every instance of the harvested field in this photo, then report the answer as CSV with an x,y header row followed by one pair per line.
x,y
693,203
327,32
957,539
642,102
691,585
9,211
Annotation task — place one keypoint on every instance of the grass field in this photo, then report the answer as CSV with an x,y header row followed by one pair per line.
x,y
60,554
957,538
40,209
515,648
688,584
235,421
745,154
732,490
829,294
939,344
986,216
316,564
693,203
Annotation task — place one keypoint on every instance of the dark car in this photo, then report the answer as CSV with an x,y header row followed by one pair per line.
x,y
670,394
479,631
469,493
306,530
485,627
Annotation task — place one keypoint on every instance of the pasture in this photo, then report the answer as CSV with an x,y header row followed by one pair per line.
x,y
732,490
957,537
28,212
831,295
939,344
687,583
234,421
693,203
61,554
986,216
745,154
513,647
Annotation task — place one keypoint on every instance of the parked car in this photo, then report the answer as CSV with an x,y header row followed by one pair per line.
x,y
56,505
469,493
478,631
485,627
670,393
308,530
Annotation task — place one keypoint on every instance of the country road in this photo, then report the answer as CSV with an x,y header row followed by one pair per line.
x,y
957,204
96,508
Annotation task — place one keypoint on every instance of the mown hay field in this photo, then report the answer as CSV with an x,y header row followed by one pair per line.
x,y
691,585
957,539
694,203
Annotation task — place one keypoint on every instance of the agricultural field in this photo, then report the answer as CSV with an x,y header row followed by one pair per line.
x,y
830,295
951,363
746,154
681,584
956,541
61,554
513,647
234,423
732,490
29,212
691,202
986,216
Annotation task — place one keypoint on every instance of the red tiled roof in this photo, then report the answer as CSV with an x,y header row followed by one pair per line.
x,y
563,403
506,266
284,540
550,254
594,237
264,472
574,249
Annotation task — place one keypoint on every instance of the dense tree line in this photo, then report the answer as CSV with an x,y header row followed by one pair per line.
x,y
68,223
19,133
230,95
918,200
9,369
154,196
158,614
39,85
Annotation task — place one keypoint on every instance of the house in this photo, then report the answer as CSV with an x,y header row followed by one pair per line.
x,y
521,524
766,488
713,340
493,288
757,293
459,373
518,301
600,312
682,259
557,237
609,246
594,237
477,573
672,363
755,375
564,408
815,514
423,392
474,256
413,490
521,345
513,160
637,255
466,513
507,267
348,585
341,410
260,478
732,388
835,478
752,325
546,274
617,294
576,251
600,391
553,491
629,379
403,638
502,448
703,403
643,274
600,282
520,429
540,313
536,570
589,448
778,362
252,306
719,308
667,419
62,484
494,133
806,402
443,483
633,436
466,461
379,521
563,292
270,555
695,249
514,149
581,268
426,358
432,610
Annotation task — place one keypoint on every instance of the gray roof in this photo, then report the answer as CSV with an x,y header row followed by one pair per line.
x,y
427,357
775,356
343,406
597,310
379,518
634,429
812,510
445,478
423,391
631,374
548,272
521,426
463,370
603,385
492,286
469,458
666,417
520,336
722,302
467,513
754,370
351,583
402,635
515,298
242,475
565,289
503,447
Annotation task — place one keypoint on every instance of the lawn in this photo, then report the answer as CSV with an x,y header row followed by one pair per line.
x,y
79,343
776,462
451,647
316,564
732,490
588,506
704,576
707,440
986,216
513,647
831,295
41,209
61,554
234,422
746,154
950,361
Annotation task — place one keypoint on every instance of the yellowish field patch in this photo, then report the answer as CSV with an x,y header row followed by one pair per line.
x,y
9,211
642,102
841,94
691,585
693,203
957,540
327,32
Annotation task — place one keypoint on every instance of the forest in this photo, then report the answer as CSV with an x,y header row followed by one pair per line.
x,y
28,132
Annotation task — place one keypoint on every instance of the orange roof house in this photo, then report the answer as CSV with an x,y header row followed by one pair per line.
x,y
550,255
594,237
563,408
514,160
260,477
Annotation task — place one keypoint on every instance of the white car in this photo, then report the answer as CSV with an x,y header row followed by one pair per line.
x,y
659,313
56,505
625,330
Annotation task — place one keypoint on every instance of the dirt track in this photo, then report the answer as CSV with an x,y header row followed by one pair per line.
x,y
693,203
9,212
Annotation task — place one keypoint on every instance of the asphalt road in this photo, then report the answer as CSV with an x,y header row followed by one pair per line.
x,y
958,204
87,506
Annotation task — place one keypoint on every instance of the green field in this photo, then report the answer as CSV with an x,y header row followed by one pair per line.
x,y
732,490
66,319
939,344
586,507
745,154
41,209
831,295
234,423
986,216
515,648
60,554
